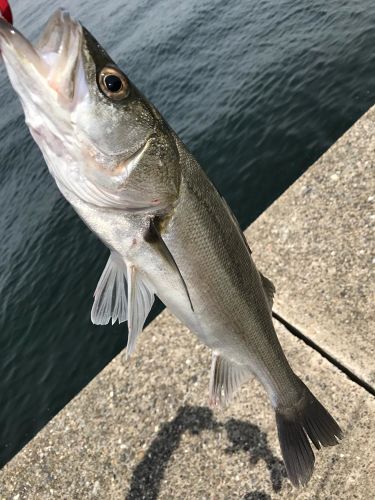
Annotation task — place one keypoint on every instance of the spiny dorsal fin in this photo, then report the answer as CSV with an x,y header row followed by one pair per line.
x,y
110,297
235,222
153,237
140,300
269,289
225,378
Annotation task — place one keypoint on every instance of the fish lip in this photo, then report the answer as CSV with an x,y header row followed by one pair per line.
x,y
11,38
62,37
56,56
51,37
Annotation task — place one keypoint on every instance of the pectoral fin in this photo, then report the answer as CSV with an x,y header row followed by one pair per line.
x,y
110,297
117,300
153,237
140,300
226,377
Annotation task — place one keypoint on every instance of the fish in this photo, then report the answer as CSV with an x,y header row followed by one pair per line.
x,y
169,232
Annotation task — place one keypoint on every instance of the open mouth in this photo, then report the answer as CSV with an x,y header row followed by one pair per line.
x,y
56,56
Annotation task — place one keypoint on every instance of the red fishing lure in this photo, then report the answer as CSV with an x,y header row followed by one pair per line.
x,y
5,11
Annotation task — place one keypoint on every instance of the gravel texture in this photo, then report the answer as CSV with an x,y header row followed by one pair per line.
x,y
143,429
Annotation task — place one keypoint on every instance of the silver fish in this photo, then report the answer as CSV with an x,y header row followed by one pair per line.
x,y
169,232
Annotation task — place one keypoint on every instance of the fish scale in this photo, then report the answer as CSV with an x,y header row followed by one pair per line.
x,y
216,265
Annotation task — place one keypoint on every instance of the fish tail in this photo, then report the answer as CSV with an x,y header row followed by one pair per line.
x,y
306,419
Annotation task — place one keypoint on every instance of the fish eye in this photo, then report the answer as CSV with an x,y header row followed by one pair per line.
x,y
113,83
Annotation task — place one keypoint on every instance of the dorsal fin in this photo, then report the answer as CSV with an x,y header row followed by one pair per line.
x,y
235,222
269,289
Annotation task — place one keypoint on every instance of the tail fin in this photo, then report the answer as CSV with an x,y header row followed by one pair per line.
x,y
294,427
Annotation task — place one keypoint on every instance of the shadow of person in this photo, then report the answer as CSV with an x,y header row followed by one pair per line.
x,y
248,437
149,473
256,495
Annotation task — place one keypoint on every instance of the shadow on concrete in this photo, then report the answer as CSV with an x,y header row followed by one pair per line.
x,y
149,473
256,495
248,437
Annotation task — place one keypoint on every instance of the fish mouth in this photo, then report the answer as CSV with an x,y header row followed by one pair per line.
x,y
55,59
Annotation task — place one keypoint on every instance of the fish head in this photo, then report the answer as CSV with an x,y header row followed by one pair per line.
x,y
103,141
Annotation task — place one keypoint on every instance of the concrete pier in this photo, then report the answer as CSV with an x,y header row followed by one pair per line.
x,y
143,429
317,243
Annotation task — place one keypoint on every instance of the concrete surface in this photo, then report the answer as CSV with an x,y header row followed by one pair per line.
x,y
142,429
316,243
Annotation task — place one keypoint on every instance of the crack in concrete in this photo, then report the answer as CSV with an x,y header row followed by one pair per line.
x,y
307,340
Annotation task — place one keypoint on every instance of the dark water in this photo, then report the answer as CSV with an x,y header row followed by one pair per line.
x,y
258,90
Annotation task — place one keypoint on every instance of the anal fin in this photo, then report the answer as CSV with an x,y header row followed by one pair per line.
x,y
225,378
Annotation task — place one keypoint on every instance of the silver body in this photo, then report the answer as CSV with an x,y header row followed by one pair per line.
x,y
231,313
